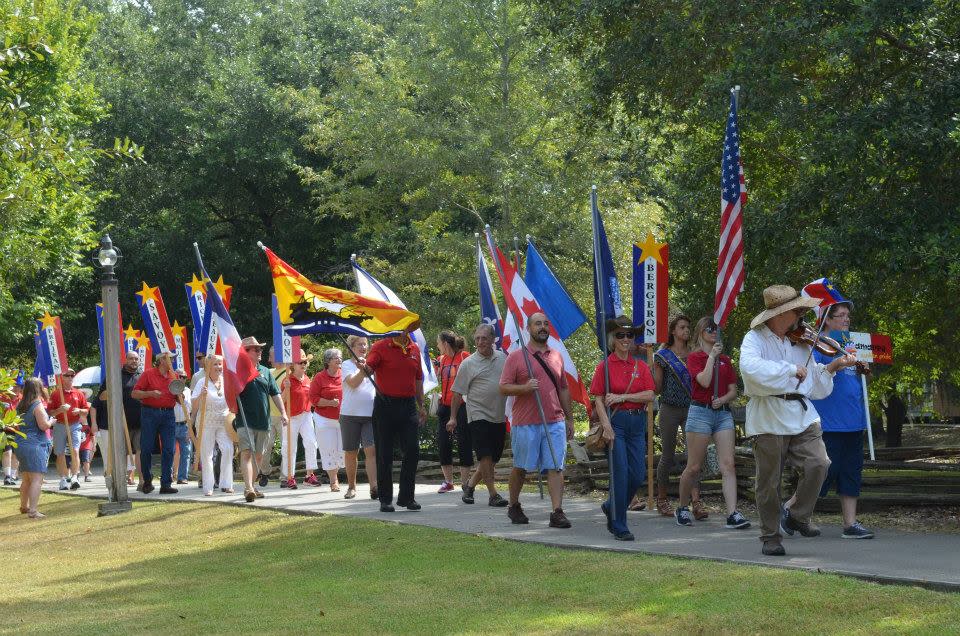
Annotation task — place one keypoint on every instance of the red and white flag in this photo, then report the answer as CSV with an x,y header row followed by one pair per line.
x,y
522,304
733,195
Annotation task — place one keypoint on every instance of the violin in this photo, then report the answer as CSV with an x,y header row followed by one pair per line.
x,y
805,334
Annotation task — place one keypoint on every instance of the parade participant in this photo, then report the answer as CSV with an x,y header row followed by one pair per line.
x,y
708,417
843,421
129,375
184,435
255,401
398,411
69,407
279,372
198,376
33,451
10,461
100,425
674,386
781,378
211,415
533,450
87,445
452,356
356,418
301,419
478,383
326,389
156,418
631,389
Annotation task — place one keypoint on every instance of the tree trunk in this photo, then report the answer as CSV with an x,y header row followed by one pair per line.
x,y
896,412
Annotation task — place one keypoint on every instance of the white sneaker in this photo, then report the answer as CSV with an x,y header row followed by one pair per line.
x,y
64,483
75,484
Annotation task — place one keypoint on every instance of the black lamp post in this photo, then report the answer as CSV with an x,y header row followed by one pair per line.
x,y
107,258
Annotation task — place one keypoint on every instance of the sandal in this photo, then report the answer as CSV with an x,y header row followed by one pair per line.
x,y
334,487
351,493
24,511
36,514
664,507
699,510
637,504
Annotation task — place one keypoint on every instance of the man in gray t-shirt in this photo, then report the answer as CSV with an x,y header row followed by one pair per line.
x,y
478,382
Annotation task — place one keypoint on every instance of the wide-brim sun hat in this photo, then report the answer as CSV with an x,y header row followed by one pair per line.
x,y
620,322
779,299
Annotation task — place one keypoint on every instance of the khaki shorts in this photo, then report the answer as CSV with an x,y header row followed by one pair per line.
x,y
261,440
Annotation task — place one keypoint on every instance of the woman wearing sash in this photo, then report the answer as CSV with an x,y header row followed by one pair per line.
x,y
629,391
674,386
210,413
709,416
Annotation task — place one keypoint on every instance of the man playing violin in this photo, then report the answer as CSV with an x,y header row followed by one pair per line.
x,y
781,378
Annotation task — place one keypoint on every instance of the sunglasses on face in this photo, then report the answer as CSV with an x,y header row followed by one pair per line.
x,y
710,329
621,335
69,375
253,349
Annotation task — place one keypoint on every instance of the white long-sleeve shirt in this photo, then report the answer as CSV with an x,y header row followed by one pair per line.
x,y
768,365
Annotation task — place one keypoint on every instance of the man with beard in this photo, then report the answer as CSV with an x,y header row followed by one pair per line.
x,y
538,445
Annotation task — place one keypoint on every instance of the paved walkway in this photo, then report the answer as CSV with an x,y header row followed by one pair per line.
x,y
930,560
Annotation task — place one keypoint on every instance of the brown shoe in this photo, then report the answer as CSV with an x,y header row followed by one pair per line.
x,y
558,519
699,510
249,495
664,507
515,513
773,547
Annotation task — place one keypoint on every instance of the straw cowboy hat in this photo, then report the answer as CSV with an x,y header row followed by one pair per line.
x,y
779,299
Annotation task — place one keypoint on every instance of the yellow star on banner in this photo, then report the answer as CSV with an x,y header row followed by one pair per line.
x,y
48,321
197,285
222,288
143,340
650,249
179,330
147,293
130,333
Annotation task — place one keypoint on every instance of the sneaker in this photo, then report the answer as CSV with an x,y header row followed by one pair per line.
x,y
805,529
699,510
445,487
784,515
262,480
75,484
291,483
515,514
147,487
312,480
773,547
558,519
467,496
8,481
497,501
284,483
64,484
856,531
87,479
626,535
737,520
683,516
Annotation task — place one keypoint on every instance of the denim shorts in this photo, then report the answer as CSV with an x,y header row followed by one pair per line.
x,y
33,457
531,451
60,437
707,421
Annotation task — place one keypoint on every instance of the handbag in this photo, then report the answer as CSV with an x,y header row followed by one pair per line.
x,y
594,440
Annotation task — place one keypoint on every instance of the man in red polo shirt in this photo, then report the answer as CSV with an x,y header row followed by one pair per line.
x,y
69,406
156,416
397,412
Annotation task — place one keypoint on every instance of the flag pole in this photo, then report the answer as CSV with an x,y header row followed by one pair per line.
x,y
598,281
516,262
526,360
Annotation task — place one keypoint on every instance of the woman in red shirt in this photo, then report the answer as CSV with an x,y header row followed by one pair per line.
x,y
326,391
298,384
630,390
709,416
451,356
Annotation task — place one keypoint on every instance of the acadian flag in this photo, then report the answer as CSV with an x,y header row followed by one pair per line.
x,y
650,282
130,336
103,349
181,348
522,304
42,368
372,288
205,332
306,307
155,318
828,295
144,348
55,353
285,347
238,369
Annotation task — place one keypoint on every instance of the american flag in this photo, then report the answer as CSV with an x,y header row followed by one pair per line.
x,y
733,194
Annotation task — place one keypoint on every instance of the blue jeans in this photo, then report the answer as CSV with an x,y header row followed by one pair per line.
x,y
152,422
186,450
629,462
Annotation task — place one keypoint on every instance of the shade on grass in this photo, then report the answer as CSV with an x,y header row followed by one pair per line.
x,y
195,568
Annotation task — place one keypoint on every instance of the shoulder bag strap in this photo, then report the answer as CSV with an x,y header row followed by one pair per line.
x,y
556,383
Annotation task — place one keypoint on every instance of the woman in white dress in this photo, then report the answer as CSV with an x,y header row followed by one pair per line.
x,y
210,416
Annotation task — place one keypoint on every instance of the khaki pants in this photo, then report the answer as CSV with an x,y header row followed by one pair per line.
x,y
772,453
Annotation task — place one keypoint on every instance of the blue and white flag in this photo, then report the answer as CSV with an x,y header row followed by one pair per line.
x,y
489,312
606,289
367,285
563,312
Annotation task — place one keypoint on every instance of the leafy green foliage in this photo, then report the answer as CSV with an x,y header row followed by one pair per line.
x,y
9,419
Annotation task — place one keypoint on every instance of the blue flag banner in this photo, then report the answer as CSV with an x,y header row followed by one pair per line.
x,y
489,312
563,312
42,368
606,289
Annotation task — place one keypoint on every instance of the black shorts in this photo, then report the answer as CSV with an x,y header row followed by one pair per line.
x,y
488,439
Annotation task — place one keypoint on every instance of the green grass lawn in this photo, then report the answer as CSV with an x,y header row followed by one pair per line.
x,y
197,569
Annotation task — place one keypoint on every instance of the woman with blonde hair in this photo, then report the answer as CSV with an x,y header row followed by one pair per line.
x,y
709,416
33,452
211,414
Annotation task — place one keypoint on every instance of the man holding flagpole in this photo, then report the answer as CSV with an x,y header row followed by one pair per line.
x,y
255,402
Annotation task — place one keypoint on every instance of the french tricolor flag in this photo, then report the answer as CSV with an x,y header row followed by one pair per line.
x,y
238,370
